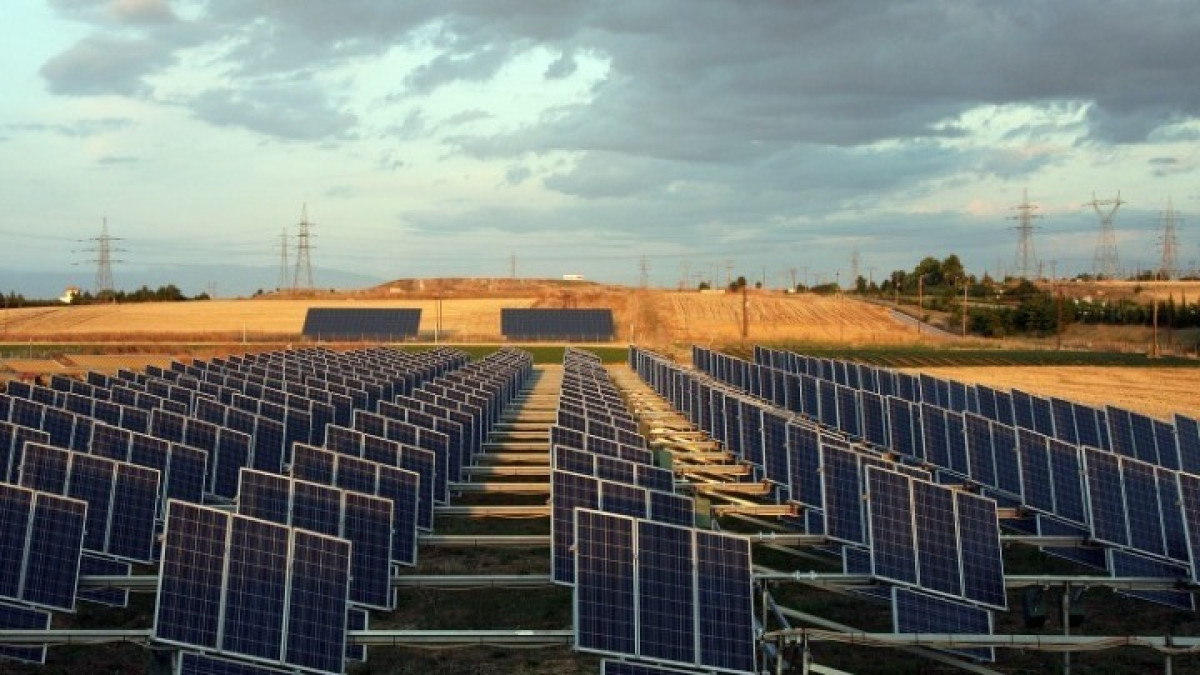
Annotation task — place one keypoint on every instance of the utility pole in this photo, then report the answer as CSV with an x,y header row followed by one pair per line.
x,y
920,301
1059,329
304,275
1105,263
854,264
728,273
966,287
745,315
1026,259
793,271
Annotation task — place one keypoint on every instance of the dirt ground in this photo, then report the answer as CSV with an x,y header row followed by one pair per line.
x,y
1158,392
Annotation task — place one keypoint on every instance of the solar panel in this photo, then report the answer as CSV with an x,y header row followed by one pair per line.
x,y
842,486
1188,438
982,560
1008,460
666,593
980,449
1145,446
12,446
594,325
41,538
893,543
1189,493
1167,443
605,583
725,602
122,498
356,619
190,663
1106,497
919,613
91,565
1037,484
1090,556
937,537
16,617
384,324
363,519
1126,564
1067,476
245,586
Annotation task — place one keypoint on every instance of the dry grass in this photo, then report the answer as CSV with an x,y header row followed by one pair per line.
x,y
1159,392
1138,291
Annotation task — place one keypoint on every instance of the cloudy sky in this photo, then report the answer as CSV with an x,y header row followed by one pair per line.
x,y
442,137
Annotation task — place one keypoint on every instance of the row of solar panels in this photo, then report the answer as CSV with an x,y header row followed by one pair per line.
x,y
940,547
1143,510
647,584
393,324
569,325
104,484
1146,514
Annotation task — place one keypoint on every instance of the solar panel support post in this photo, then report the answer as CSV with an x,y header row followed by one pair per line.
x,y
1066,624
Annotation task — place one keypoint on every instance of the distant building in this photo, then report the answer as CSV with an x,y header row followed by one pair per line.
x,y
572,277
69,295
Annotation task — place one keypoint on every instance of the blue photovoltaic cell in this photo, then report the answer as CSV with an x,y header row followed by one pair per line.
x,y
1174,532
206,664
90,565
842,488
605,591
1064,420
828,403
1091,556
1142,507
23,618
1144,444
725,602
1004,409
1120,431
1168,446
655,478
1187,430
608,667
982,562
919,613
980,450
900,433
367,523
356,619
1008,460
874,416
574,460
804,450
937,538
933,425
625,500
775,449
1067,477
987,401
1125,564
1087,426
673,509
666,593
856,560
1037,485
612,468
190,584
956,444
1189,494
848,412
568,491
893,544
1106,497
255,589
752,432
1022,406
316,620
1043,416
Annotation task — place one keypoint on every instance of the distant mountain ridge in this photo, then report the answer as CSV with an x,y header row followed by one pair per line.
x,y
229,280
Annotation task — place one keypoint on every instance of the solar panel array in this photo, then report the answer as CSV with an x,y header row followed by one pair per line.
x,y
593,424
374,324
560,325
663,593
1109,475
120,447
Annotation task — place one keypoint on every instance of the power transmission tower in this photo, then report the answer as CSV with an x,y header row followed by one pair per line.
x,y
304,275
1105,263
103,249
854,263
284,268
1170,263
644,268
1026,259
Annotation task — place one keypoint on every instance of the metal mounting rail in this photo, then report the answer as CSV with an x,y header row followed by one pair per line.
x,y
396,638
1012,581
513,457
143,583
518,511
496,487
1048,642
484,540
493,471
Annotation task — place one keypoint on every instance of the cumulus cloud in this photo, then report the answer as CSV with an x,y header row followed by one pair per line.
x,y
84,128
286,111
105,65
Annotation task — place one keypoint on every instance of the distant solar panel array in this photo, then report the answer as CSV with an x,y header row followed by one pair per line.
x,y
98,462
559,325
647,584
374,324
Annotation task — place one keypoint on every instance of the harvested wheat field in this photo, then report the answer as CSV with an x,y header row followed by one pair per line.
x,y
231,319
708,318
1158,392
